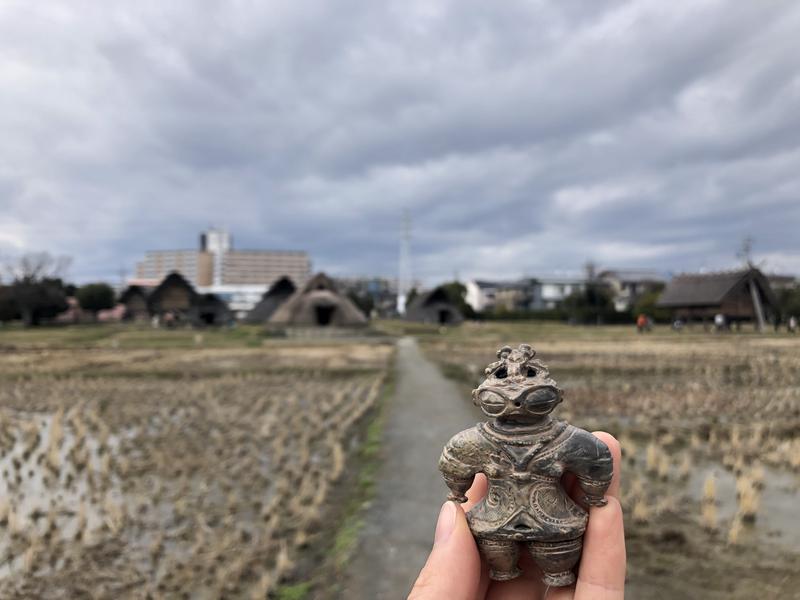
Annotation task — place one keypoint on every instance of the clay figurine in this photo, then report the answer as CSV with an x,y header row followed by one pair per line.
x,y
524,452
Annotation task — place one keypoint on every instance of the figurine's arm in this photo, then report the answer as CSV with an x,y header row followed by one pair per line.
x,y
459,464
590,460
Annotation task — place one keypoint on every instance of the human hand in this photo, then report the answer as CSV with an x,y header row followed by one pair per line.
x,y
454,570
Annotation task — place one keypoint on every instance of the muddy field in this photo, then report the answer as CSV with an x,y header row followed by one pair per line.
x,y
709,428
177,465
180,464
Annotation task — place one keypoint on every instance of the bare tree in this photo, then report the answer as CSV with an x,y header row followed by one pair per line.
x,y
33,267
35,290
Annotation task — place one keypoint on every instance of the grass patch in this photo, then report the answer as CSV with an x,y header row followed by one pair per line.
x,y
296,591
368,463
358,492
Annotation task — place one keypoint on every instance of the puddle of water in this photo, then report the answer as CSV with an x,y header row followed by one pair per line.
x,y
42,489
777,518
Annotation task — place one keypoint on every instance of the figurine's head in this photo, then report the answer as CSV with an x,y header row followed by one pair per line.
x,y
517,388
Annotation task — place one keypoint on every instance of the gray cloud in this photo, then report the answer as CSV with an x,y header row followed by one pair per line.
x,y
522,137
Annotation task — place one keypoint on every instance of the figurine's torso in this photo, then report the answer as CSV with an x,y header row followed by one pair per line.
x,y
525,500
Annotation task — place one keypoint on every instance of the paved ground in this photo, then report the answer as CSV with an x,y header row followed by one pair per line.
x,y
426,411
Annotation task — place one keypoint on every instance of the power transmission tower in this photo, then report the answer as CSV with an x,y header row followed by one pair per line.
x,y
404,266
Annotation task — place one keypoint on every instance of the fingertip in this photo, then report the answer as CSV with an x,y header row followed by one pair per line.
x,y
616,454
477,491
608,518
603,562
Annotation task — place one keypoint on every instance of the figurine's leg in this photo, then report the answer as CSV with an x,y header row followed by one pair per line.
x,y
556,560
502,557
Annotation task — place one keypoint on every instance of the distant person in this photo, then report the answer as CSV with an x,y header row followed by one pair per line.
x,y
642,323
792,325
719,322
677,325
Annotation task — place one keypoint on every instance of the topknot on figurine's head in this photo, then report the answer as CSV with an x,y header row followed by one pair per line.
x,y
517,387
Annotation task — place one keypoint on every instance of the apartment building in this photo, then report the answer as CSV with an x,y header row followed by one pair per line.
x,y
240,277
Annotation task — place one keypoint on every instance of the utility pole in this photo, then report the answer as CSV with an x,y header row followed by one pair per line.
x,y
745,253
746,250
404,265
123,277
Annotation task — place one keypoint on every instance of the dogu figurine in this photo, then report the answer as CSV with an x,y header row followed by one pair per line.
x,y
524,453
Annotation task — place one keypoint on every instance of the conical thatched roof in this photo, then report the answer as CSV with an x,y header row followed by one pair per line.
x,y
319,304
434,306
134,291
276,295
173,293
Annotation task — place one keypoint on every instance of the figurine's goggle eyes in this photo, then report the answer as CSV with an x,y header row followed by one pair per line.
x,y
492,404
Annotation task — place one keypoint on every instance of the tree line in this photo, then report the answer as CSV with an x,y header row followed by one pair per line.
x,y
32,290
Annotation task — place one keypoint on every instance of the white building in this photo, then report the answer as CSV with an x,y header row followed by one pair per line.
x,y
512,296
554,290
628,285
480,294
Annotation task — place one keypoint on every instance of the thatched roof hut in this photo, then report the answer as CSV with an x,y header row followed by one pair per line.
x,y
318,304
212,310
173,295
134,298
434,306
738,295
277,294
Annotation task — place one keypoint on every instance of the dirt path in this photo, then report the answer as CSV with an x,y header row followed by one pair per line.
x,y
426,410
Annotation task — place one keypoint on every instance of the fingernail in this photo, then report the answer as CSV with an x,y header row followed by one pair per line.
x,y
446,523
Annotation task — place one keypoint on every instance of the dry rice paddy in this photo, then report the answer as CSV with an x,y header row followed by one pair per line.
x,y
164,472
709,428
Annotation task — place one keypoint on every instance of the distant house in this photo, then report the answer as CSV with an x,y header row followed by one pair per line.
x,y
782,282
483,296
379,293
743,295
212,310
134,299
73,314
276,295
174,296
628,285
554,290
175,300
434,306
318,304
112,315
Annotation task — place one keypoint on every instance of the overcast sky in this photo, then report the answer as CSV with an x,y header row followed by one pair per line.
x,y
523,137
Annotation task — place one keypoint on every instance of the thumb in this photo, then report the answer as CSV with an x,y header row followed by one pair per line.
x,y
453,569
